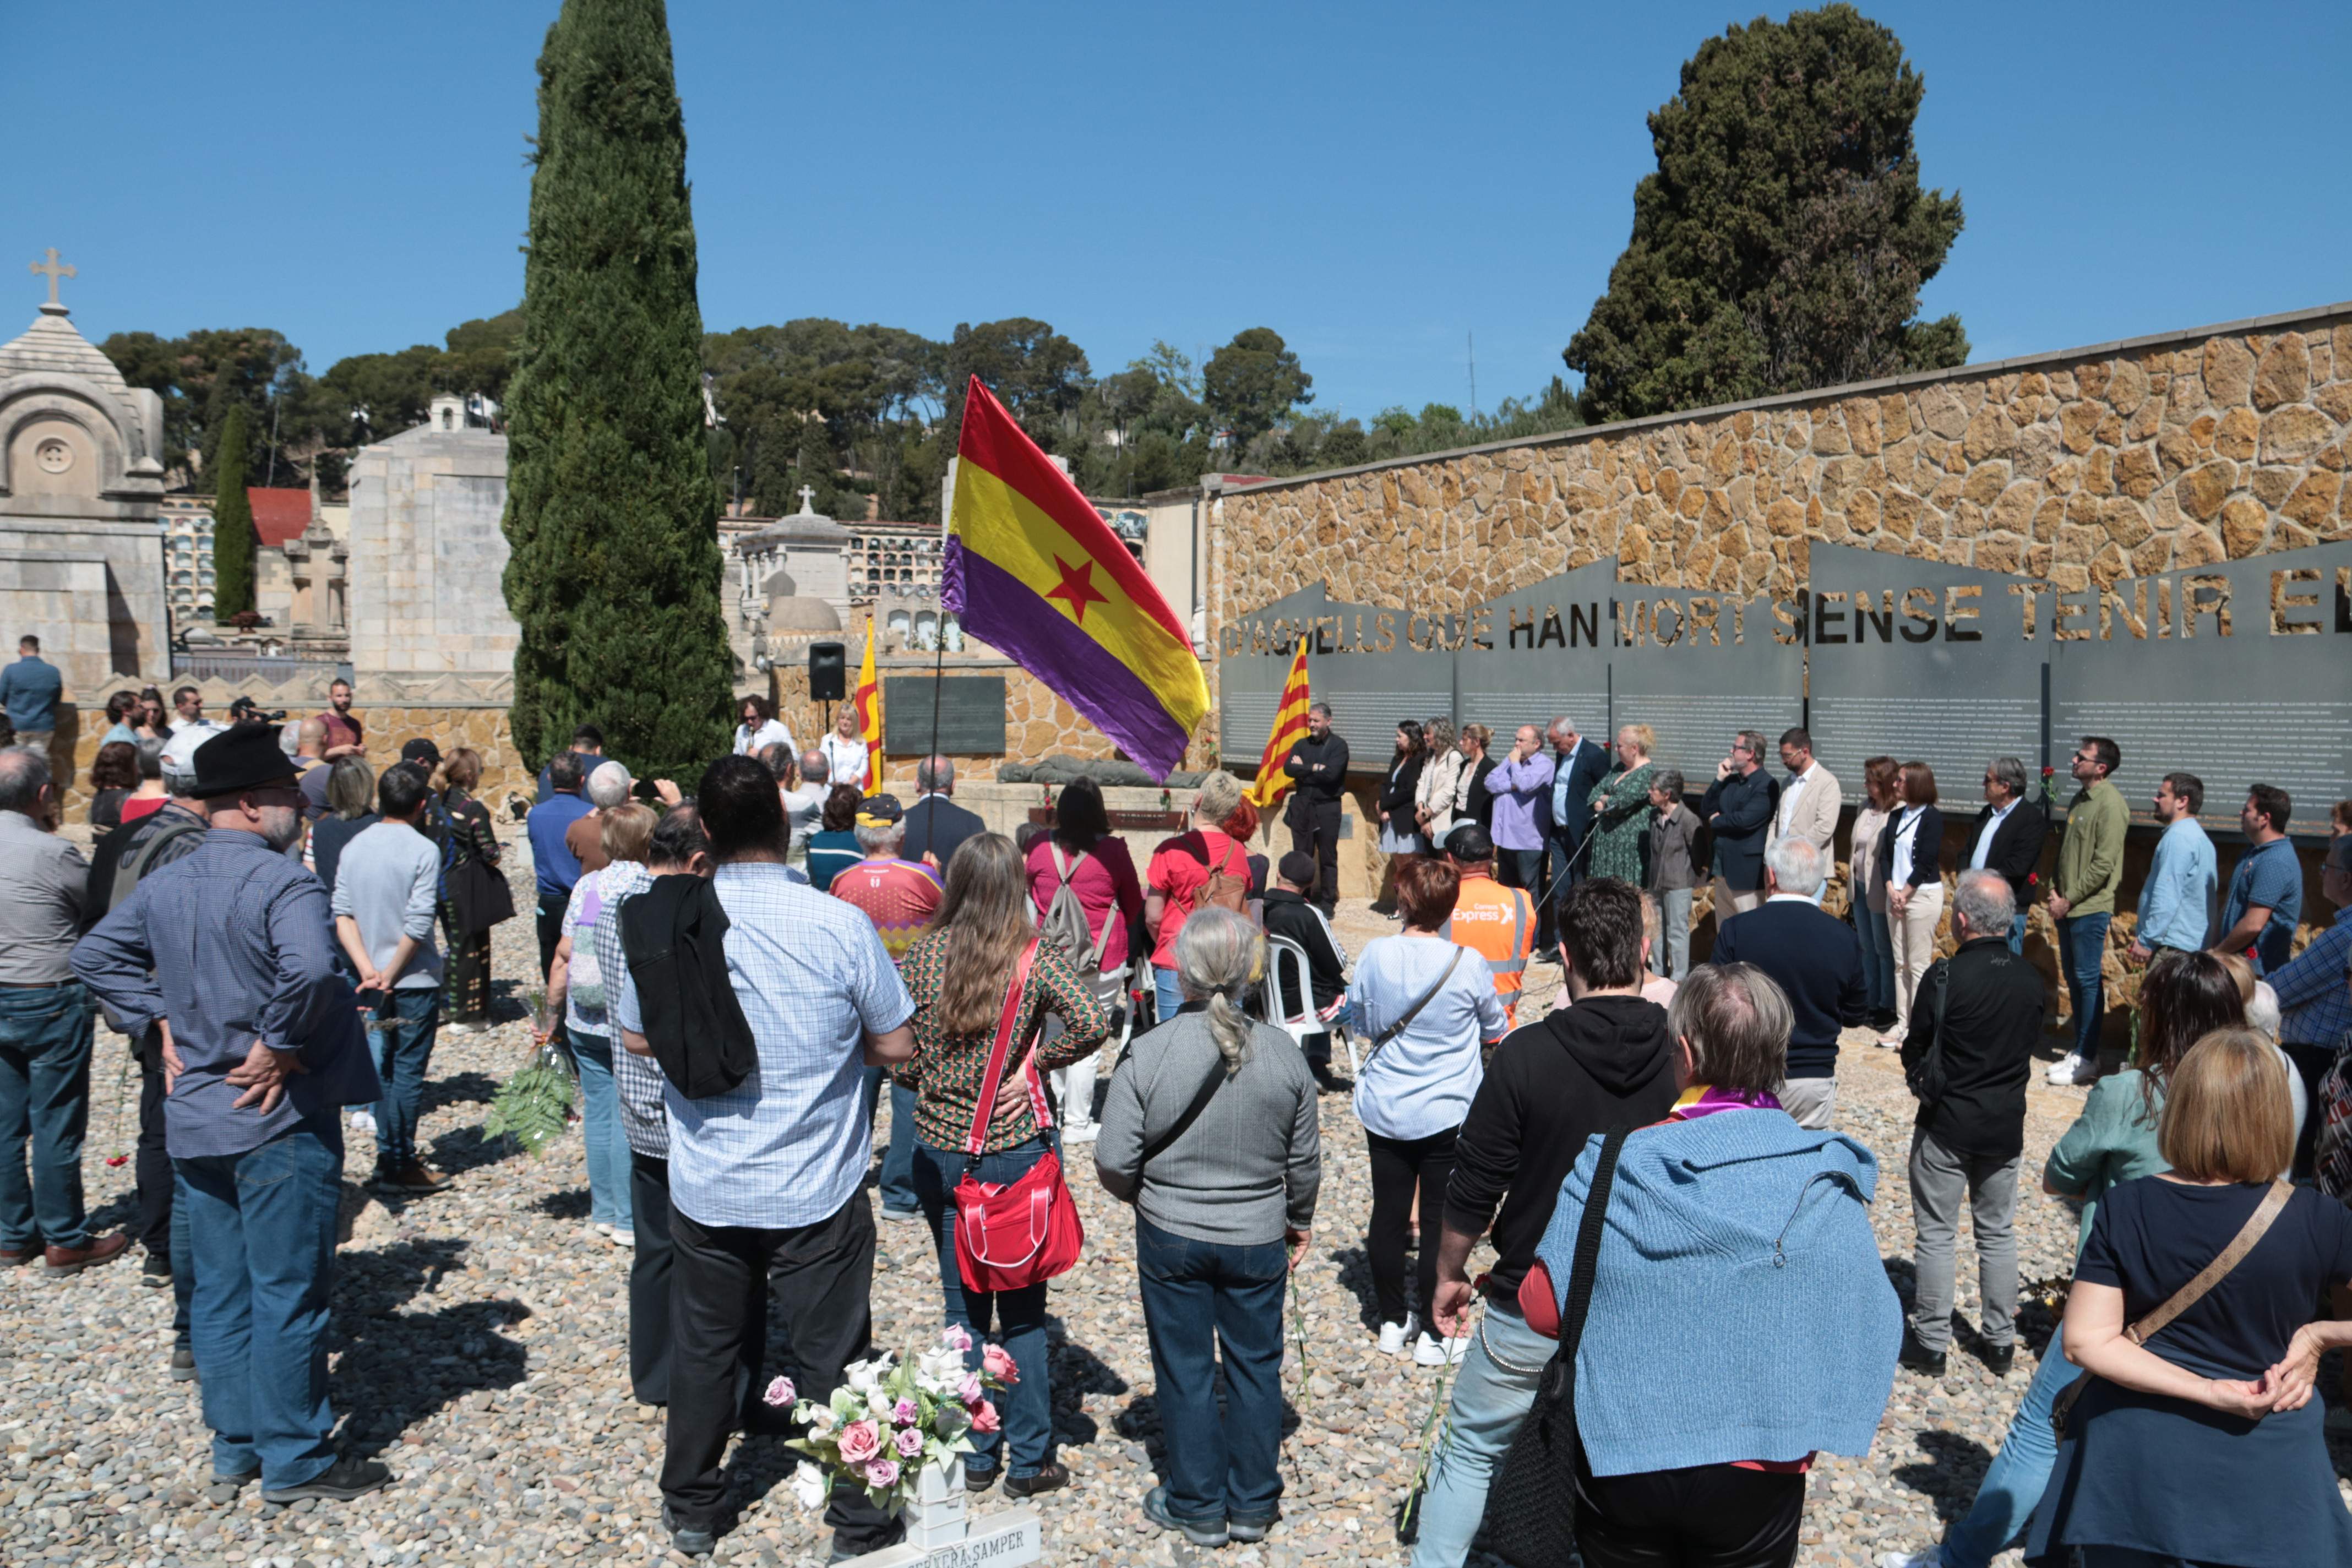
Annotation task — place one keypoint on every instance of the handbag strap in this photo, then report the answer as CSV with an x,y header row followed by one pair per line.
x,y
1010,1020
1588,1247
2213,1273
1426,998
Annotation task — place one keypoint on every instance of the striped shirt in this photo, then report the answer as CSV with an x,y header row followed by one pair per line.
x,y
639,1081
790,1146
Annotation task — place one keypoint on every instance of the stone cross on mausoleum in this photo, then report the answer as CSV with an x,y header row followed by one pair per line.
x,y
56,270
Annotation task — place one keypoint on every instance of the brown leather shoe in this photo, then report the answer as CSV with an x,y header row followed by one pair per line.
x,y
73,1259
418,1177
17,1257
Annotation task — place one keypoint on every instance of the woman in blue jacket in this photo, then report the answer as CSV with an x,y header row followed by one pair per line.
x,y
1742,1241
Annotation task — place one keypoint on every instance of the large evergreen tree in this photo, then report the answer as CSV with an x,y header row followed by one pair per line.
x,y
1253,383
232,537
1782,242
611,511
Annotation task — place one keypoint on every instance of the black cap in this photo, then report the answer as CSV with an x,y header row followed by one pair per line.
x,y
1470,844
421,750
242,757
1297,868
879,811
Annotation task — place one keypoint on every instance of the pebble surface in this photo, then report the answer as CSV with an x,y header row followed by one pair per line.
x,y
479,1351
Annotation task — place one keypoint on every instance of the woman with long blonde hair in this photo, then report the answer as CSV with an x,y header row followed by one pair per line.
x,y
961,973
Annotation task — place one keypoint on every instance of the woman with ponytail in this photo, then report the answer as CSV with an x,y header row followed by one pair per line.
x,y
1210,1134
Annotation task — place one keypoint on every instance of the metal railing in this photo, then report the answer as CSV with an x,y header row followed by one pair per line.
x,y
240,667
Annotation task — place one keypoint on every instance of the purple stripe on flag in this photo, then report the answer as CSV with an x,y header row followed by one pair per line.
x,y
1005,613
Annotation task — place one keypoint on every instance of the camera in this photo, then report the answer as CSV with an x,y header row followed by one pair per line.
x,y
244,710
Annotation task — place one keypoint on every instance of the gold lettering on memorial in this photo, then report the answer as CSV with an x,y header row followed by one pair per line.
x,y
2283,600
1955,612
2207,593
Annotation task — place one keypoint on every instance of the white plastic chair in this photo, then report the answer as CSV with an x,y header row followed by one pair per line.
x,y
1281,950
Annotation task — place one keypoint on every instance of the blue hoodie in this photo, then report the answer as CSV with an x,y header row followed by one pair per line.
x,y
1740,1308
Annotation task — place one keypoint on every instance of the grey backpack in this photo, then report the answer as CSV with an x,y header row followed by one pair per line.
x,y
1065,926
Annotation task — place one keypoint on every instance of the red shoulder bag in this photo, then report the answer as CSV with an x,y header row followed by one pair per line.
x,y
1010,1234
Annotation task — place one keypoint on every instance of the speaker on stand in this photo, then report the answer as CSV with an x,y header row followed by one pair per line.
x,y
828,677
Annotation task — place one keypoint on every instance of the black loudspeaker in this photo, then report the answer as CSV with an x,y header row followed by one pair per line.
x,y
828,672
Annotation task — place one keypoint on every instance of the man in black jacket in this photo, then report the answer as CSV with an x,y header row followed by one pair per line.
x,y
1317,767
1738,810
1609,1060
2008,838
1578,762
1969,1055
1288,915
936,826
1813,957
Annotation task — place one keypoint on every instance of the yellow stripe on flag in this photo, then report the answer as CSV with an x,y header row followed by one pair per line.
x,y
1289,728
867,697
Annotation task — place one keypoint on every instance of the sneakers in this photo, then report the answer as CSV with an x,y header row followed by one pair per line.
x,y
2073,1070
1931,1558
363,1122
184,1363
686,1539
58,1261
1890,1042
1429,1351
1080,1132
1204,1532
616,1234
346,1479
1251,1529
1051,1476
156,1271
1396,1337
901,1215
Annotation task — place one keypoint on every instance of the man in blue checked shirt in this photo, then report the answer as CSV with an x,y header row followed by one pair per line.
x,y
2176,901
228,952
2315,993
767,1181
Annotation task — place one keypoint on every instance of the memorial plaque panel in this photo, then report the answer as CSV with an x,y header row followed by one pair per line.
x,y
1549,656
2239,672
1918,662
1375,665
1698,667
1251,670
971,715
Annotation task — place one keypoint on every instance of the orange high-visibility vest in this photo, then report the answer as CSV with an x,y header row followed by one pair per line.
x,y
1498,924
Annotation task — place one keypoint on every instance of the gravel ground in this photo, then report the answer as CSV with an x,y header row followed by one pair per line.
x,y
479,1351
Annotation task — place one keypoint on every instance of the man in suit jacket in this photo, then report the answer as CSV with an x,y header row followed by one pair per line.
x,y
1578,763
2008,839
1738,810
1816,959
1808,804
936,826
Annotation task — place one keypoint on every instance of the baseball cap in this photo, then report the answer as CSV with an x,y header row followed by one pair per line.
x,y
879,811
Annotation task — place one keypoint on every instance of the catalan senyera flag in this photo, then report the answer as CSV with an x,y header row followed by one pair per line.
x,y
1033,572
1289,728
868,700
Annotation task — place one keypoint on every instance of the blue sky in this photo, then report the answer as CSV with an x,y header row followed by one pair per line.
x,y
1375,181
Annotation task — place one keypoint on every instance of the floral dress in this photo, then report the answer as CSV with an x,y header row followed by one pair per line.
x,y
1621,821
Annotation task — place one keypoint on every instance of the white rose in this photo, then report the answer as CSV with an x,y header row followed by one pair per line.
x,y
878,1401
809,1485
863,1377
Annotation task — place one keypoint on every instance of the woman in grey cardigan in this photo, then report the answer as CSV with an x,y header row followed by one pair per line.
x,y
1209,1132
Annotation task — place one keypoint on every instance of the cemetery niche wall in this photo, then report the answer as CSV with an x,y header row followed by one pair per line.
x,y
2238,671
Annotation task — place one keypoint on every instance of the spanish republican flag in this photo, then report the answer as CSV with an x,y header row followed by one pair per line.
x,y
1289,728
868,700
1032,571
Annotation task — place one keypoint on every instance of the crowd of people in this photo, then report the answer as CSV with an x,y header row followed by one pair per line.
x,y
737,977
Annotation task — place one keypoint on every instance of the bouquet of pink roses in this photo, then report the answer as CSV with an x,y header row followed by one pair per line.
x,y
893,1417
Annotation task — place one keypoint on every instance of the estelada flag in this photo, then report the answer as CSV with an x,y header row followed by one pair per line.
x,y
1289,728
1033,570
867,701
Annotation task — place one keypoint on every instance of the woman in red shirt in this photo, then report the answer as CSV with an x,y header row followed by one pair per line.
x,y
1083,849
1178,876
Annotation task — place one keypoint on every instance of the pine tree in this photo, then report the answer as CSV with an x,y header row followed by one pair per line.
x,y
611,511
1782,243
814,466
233,536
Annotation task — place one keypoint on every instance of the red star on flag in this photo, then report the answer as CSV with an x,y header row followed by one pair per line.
x,y
1077,587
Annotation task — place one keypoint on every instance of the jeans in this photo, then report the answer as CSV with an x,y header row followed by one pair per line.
x,y
1199,1296
45,1044
2081,956
2012,1487
1940,1178
1493,1391
898,1183
1877,958
1699,1516
1018,1317
721,1278
2017,933
600,1130
1165,994
1671,955
402,1034
1398,1166
261,1232
649,1272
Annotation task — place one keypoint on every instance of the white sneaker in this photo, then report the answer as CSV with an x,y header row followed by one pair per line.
x,y
364,1122
1931,1558
619,1237
2071,1069
1396,1337
1080,1132
1431,1352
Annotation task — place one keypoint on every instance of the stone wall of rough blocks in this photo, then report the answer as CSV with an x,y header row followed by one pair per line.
x,y
2079,468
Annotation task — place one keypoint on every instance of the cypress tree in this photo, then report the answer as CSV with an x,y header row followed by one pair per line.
x,y
814,466
233,536
611,508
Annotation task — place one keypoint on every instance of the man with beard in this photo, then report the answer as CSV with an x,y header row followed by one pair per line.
x,y
228,953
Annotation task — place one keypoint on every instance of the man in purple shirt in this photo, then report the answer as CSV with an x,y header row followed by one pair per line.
x,y
1521,785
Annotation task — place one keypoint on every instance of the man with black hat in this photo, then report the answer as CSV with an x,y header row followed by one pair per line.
x,y
1290,916
1496,922
228,953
